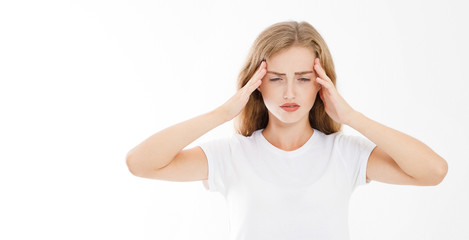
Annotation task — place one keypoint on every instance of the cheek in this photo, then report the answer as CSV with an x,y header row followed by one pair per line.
x,y
270,96
310,92
268,89
267,94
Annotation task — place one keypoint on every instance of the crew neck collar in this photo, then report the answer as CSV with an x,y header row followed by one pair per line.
x,y
282,152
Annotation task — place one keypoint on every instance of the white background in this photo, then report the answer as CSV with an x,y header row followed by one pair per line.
x,y
83,82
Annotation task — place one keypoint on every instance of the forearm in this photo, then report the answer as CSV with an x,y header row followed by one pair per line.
x,y
159,149
412,156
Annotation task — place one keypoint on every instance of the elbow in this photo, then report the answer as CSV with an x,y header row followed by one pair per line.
x,y
136,166
439,174
433,176
130,164
441,171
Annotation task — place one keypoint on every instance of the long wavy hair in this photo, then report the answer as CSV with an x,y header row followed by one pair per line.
x,y
272,40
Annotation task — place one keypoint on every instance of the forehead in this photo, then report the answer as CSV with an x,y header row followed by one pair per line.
x,y
293,59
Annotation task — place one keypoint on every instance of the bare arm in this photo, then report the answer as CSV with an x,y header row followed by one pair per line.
x,y
417,160
397,157
160,149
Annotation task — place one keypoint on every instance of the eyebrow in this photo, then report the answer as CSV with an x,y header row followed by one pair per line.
x,y
283,74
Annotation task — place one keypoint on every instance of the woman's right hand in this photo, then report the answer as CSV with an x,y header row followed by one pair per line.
x,y
237,102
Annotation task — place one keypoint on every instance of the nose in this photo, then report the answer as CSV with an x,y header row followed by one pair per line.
x,y
289,92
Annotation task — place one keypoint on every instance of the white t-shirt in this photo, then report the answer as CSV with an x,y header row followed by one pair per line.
x,y
278,195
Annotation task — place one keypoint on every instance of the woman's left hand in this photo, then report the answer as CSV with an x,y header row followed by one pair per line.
x,y
336,107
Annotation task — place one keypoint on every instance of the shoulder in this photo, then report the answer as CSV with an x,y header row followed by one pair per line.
x,y
351,140
246,139
230,140
342,142
342,139
328,139
349,145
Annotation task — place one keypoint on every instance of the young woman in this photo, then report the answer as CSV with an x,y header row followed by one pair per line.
x,y
289,171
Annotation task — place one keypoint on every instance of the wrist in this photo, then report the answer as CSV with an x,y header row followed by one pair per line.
x,y
353,116
220,115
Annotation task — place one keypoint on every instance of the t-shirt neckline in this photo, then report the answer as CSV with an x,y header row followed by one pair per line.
x,y
282,152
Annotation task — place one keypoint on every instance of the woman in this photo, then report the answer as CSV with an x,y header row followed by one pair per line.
x,y
289,171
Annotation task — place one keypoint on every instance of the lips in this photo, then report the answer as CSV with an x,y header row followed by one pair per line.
x,y
290,105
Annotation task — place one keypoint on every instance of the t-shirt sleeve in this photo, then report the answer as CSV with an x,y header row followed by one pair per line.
x,y
218,153
355,151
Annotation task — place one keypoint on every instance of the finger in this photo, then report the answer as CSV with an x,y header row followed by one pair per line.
x,y
321,95
262,69
255,85
259,74
261,66
248,90
324,84
318,68
258,71
256,80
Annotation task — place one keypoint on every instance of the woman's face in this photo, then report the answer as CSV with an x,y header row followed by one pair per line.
x,y
289,87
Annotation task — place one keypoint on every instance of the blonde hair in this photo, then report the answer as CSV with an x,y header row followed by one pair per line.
x,y
275,38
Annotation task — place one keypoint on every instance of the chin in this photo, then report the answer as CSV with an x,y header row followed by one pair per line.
x,y
290,117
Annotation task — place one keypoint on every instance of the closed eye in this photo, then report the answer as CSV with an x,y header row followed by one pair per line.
x,y
301,79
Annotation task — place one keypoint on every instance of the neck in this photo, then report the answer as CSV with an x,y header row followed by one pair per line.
x,y
286,136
